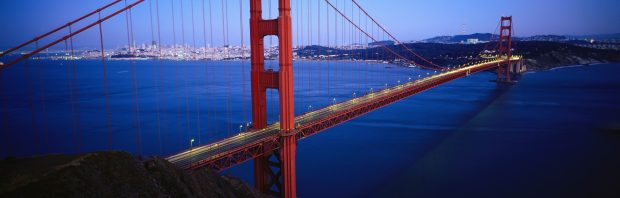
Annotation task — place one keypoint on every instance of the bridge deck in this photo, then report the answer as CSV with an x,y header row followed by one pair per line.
x,y
248,145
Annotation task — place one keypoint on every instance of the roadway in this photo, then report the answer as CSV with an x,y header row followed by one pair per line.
x,y
203,155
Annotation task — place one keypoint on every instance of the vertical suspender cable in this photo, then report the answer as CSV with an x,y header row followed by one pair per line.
x,y
297,67
310,67
70,90
105,86
185,78
174,37
224,7
193,27
183,45
128,29
133,73
319,76
386,57
346,44
212,57
357,52
228,72
33,113
302,67
311,44
161,101
42,99
367,70
354,54
70,62
296,48
328,54
243,82
197,82
343,39
230,114
177,79
337,51
377,58
77,95
159,73
204,35
6,130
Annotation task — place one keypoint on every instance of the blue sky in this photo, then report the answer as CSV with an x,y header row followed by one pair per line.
x,y
407,19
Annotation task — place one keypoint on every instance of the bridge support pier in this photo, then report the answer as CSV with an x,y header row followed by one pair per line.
x,y
268,174
274,171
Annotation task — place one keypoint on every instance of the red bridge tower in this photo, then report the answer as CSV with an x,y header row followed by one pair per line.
x,y
274,172
505,42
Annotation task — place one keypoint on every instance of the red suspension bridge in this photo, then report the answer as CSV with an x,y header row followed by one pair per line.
x,y
340,26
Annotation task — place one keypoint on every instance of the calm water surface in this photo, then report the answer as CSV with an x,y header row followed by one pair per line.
x,y
553,134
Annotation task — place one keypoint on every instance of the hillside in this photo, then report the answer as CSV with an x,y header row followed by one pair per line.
x,y
111,174
538,54
461,38
545,55
485,37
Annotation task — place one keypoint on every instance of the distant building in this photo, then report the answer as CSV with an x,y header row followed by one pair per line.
x,y
381,43
473,41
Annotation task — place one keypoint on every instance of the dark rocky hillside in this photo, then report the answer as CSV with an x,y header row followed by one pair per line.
x,y
545,55
538,54
111,174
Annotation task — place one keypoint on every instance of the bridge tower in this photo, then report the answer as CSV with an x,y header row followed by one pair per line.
x,y
274,172
505,42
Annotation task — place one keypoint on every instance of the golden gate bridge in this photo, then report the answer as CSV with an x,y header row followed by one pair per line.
x,y
337,25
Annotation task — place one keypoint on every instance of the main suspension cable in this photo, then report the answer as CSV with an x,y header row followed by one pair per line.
x,y
394,38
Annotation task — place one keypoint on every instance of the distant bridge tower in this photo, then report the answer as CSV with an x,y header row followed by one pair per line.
x,y
505,42
274,172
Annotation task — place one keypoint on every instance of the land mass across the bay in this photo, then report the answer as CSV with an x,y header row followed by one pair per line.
x,y
538,55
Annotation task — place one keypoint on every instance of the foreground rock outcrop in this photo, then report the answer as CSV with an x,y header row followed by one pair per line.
x,y
112,174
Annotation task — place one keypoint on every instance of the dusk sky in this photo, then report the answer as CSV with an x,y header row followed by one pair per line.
x,y
407,19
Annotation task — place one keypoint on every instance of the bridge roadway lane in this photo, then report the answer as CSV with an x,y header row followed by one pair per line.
x,y
214,151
